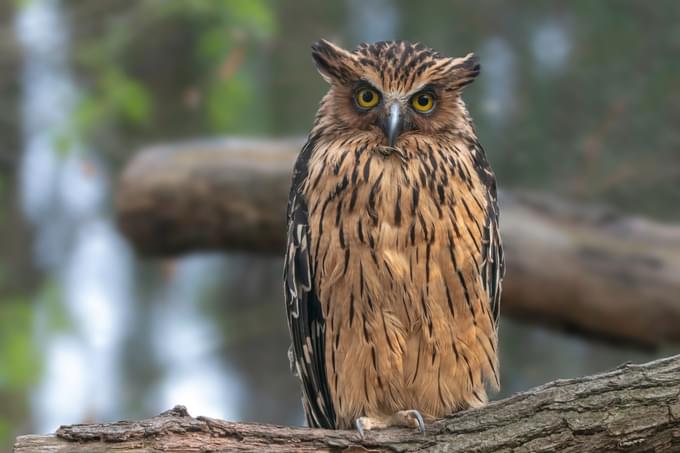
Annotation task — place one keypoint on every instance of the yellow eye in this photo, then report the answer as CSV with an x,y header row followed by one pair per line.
x,y
422,102
366,98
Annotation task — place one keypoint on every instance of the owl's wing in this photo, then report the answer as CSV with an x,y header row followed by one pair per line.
x,y
493,268
305,316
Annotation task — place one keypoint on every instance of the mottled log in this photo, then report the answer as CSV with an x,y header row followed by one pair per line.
x,y
591,270
582,268
222,194
635,408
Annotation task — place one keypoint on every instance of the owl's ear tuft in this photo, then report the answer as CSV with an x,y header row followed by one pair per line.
x,y
334,63
462,71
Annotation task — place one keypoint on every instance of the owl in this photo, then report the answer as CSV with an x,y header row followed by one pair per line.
x,y
393,266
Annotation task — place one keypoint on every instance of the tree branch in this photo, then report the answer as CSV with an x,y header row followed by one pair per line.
x,y
634,408
581,268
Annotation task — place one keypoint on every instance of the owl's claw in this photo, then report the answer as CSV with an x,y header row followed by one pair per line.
x,y
360,426
411,418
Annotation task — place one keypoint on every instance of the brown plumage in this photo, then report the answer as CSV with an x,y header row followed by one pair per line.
x,y
394,263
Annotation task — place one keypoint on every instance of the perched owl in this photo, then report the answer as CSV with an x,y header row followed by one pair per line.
x,y
394,263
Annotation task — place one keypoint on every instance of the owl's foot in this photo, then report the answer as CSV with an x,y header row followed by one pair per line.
x,y
406,419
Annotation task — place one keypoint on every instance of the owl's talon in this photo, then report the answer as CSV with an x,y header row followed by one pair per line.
x,y
411,418
359,423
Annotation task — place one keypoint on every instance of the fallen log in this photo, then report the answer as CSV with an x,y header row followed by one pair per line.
x,y
581,268
223,194
634,408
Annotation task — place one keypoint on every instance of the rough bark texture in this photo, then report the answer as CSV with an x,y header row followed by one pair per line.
x,y
634,408
581,268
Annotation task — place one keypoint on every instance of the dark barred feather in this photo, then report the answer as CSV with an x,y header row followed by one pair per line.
x,y
305,319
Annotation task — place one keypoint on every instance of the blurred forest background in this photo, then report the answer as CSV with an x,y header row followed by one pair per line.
x,y
580,99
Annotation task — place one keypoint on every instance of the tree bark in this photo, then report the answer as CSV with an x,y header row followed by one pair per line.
x,y
634,408
581,268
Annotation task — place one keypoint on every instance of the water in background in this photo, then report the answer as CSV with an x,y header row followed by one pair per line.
x,y
120,337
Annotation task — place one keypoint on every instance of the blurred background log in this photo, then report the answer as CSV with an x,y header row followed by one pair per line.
x,y
577,267
634,408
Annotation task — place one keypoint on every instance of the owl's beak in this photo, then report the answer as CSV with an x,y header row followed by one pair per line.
x,y
394,123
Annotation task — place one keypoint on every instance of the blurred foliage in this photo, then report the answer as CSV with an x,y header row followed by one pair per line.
x,y
121,67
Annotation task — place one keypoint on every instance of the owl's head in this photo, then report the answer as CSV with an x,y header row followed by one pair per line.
x,y
394,88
